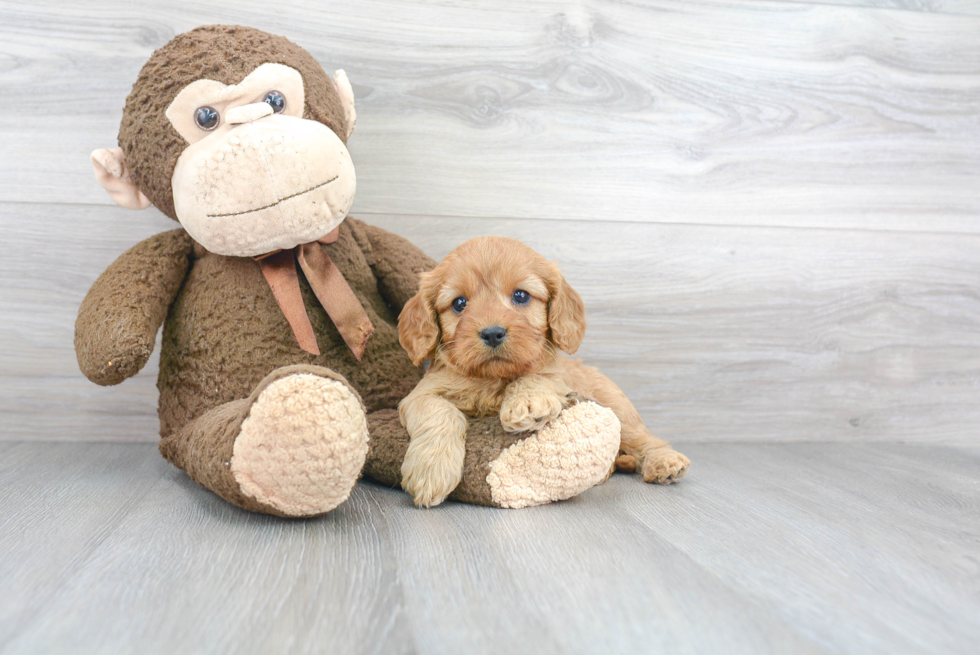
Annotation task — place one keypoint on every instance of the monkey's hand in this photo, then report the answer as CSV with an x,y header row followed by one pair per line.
x,y
119,317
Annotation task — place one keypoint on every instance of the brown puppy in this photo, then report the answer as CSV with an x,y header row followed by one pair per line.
x,y
492,317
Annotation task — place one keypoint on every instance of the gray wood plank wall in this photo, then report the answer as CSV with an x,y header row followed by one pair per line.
x,y
770,208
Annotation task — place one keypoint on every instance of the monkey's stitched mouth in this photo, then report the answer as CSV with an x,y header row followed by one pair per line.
x,y
281,200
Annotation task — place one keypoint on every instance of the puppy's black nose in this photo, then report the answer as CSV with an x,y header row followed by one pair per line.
x,y
493,335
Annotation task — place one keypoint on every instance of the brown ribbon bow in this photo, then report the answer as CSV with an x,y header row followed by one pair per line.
x,y
330,287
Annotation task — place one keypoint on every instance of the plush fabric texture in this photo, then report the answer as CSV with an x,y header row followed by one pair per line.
x,y
302,447
205,447
225,341
244,410
136,291
225,332
502,469
226,54
330,288
485,440
572,454
248,190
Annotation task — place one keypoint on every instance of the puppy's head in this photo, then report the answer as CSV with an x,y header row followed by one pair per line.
x,y
493,308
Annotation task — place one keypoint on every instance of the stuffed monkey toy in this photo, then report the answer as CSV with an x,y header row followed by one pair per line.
x,y
280,367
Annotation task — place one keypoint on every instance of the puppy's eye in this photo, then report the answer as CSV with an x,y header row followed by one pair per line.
x,y
521,297
459,304
207,118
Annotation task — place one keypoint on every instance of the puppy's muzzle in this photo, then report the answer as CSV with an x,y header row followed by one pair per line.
x,y
493,335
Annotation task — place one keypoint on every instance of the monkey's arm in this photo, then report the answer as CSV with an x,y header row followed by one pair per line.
x,y
395,260
118,321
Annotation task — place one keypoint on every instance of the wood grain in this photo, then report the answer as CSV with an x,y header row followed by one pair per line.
x,y
716,333
770,208
65,503
964,7
802,548
187,572
761,334
727,112
862,529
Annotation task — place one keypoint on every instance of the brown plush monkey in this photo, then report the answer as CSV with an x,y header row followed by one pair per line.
x,y
280,368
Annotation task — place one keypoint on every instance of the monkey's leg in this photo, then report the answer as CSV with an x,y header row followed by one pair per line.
x,y
294,447
656,460
571,454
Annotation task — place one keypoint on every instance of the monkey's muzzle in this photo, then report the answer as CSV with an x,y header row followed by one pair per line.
x,y
264,185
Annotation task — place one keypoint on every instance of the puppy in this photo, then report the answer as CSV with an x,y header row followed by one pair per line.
x,y
491,317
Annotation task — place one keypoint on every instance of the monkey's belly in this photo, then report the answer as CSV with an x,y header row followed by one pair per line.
x,y
225,332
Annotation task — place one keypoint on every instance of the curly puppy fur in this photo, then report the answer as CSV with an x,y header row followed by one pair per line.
x,y
496,352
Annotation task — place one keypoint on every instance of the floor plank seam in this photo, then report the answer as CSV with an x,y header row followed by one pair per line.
x,y
76,566
759,603
695,224
878,8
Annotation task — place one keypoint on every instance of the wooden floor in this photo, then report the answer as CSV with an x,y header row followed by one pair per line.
x,y
788,548
771,210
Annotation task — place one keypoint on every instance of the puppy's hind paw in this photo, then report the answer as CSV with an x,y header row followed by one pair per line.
x,y
664,468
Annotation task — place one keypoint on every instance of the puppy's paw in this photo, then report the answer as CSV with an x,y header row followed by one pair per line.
x,y
664,467
432,469
625,463
524,413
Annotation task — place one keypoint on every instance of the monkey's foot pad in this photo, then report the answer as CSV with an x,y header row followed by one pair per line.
x,y
303,445
571,454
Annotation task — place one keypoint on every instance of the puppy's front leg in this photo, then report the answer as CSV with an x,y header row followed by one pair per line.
x,y
530,402
433,465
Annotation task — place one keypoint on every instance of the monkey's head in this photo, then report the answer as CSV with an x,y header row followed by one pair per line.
x,y
241,136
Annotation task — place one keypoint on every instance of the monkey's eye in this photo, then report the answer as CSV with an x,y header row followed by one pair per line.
x,y
521,297
276,100
459,305
207,118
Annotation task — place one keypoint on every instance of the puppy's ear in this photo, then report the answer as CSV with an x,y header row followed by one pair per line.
x,y
566,312
418,325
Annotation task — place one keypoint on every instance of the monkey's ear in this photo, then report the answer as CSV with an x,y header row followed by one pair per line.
x,y
346,94
111,173
418,325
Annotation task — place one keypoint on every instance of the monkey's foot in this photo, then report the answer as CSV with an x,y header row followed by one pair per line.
x,y
302,447
571,454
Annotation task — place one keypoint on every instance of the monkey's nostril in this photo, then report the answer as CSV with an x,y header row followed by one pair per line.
x,y
493,335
